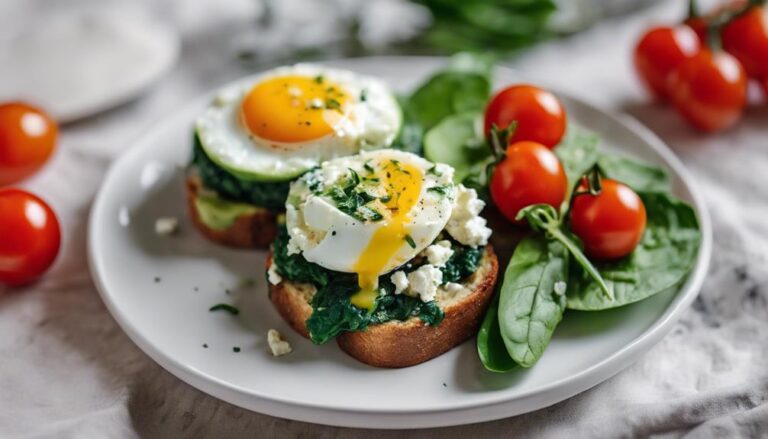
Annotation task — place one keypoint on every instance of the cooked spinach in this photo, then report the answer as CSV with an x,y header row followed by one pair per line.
x,y
660,262
462,263
270,195
532,298
333,313
295,267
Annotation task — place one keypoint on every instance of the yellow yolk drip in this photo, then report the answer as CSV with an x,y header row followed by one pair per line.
x,y
403,183
293,109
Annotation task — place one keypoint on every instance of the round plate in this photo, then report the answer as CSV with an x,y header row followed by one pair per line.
x,y
159,290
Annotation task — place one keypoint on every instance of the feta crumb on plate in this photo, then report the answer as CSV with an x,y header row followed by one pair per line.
x,y
166,226
277,345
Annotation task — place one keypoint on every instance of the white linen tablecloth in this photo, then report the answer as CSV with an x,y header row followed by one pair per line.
x,y
67,370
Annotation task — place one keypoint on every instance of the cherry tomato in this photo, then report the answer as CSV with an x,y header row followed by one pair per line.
x,y
765,87
29,236
529,174
746,38
700,24
539,114
610,223
27,139
660,51
709,90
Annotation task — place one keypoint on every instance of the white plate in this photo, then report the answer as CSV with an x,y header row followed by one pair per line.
x,y
168,317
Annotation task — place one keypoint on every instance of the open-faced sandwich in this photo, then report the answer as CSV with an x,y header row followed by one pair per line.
x,y
255,138
385,253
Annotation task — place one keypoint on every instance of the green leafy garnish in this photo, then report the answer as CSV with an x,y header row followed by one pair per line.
x,y
225,307
410,241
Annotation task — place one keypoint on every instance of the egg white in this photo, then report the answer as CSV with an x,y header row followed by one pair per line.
x,y
375,122
329,237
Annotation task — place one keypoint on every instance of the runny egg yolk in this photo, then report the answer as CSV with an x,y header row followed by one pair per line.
x,y
403,183
293,109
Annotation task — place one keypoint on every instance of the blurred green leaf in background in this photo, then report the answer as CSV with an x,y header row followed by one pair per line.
x,y
501,26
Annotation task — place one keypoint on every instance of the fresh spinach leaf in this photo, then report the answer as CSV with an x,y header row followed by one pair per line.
x,y
641,177
532,298
660,262
411,133
448,93
490,344
458,141
577,152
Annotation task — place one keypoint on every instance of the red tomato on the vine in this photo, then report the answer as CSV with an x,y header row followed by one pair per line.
x,y
529,174
611,223
29,237
746,38
539,114
27,139
709,90
660,51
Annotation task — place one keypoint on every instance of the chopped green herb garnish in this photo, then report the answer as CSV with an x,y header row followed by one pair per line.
x,y
236,349
433,171
367,166
332,104
442,190
371,214
410,241
319,79
225,307
364,95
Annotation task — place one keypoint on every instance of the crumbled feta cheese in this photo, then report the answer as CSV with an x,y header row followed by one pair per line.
x,y
424,282
400,280
277,345
438,253
316,103
453,288
272,275
298,235
465,225
560,287
294,92
166,226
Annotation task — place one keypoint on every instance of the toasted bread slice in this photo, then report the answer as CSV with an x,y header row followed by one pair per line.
x,y
252,230
407,343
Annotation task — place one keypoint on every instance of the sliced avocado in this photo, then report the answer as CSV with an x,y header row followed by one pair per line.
x,y
285,173
220,214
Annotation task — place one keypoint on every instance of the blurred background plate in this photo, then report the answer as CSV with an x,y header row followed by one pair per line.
x,y
79,62
160,289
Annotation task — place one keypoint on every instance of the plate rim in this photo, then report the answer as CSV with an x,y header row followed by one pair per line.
x,y
377,418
